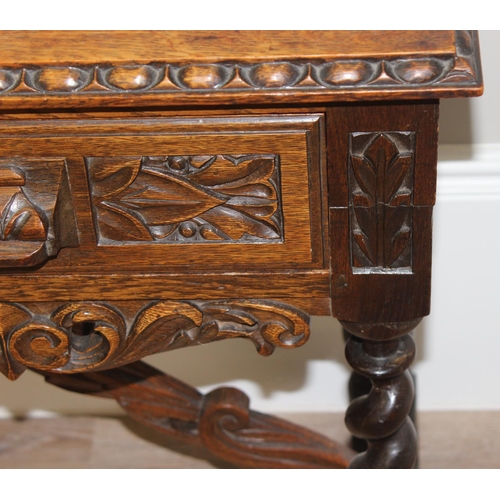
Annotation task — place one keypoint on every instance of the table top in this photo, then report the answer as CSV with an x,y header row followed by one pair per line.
x,y
150,68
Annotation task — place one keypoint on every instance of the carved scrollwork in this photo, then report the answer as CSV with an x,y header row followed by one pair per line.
x,y
381,199
36,211
436,72
80,336
186,199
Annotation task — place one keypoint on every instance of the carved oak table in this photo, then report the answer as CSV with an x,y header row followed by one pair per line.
x,y
168,189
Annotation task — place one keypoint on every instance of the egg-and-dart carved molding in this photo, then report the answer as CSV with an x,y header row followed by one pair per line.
x,y
186,199
80,336
437,72
381,200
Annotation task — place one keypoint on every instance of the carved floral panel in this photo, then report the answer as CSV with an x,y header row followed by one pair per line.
x,y
186,199
380,201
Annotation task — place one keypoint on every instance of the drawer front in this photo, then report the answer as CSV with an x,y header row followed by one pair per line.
x,y
224,193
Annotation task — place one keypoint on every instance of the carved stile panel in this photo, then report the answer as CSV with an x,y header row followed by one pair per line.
x,y
186,199
380,201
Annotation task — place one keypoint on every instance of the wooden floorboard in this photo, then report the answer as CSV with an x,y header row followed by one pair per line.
x,y
448,440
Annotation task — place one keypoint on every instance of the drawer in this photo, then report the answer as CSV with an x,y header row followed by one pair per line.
x,y
167,194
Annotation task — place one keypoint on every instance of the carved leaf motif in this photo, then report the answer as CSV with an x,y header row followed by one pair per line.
x,y
397,170
382,152
220,177
365,236
21,221
235,223
397,234
221,198
110,176
166,199
158,326
365,177
118,224
381,197
258,190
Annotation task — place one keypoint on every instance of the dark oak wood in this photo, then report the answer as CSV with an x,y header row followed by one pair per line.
x,y
168,189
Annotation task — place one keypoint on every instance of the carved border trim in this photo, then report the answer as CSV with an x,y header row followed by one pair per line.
x,y
433,73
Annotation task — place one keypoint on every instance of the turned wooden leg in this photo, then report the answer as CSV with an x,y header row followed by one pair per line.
x,y
383,353
359,385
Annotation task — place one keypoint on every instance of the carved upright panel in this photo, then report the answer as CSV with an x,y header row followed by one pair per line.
x,y
380,201
186,199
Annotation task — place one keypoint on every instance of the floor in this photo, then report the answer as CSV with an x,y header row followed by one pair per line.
x,y
448,440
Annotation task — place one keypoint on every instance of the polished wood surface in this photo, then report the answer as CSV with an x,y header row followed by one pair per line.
x,y
86,47
251,67
220,421
80,336
168,189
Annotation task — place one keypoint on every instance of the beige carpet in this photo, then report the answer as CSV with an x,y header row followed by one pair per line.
x,y
447,440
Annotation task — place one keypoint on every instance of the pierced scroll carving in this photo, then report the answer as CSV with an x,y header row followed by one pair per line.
x,y
220,421
79,336
186,199
36,211
380,201
436,73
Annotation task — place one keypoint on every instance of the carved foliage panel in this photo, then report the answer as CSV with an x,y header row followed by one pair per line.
x,y
186,199
80,336
381,200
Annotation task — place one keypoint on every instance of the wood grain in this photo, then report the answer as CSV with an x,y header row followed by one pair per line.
x,y
75,337
169,143
220,421
295,141
289,68
402,294
42,47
